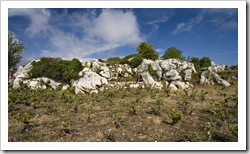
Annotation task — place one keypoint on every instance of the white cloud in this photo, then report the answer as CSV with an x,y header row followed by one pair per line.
x,y
163,18
39,19
82,33
188,26
222,18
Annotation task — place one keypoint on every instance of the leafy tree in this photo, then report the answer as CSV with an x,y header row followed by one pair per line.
x,y
15,49
147,51
205,62
173,52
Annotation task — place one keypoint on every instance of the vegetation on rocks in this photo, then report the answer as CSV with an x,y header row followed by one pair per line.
x,y
55,68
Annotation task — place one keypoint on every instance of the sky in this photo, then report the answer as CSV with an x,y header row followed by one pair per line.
x,y
101,33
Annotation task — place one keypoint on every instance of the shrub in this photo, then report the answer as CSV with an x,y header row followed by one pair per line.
x,y
113,60
196,62
136,61
152,72
173,52
59,70
205,62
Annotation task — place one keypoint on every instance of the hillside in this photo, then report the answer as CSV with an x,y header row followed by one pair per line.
x,y
52,99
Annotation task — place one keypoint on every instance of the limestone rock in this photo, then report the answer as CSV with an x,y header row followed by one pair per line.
x,y
172,75
188,74
22,73
90,81
150,82
180,85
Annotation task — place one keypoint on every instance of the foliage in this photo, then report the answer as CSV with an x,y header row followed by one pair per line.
x,y
175,116
205,62
60,70
15,49
152,72
65,125
113,60
196,62
173,52
147,51
136,61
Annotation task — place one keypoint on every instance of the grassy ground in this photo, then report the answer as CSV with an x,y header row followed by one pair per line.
x,y
205,113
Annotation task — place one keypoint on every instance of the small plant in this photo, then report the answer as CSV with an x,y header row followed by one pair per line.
x,y
191,136
133,109
203,95
193,94
118,121
154,110
234,130
208,128
167,89
109,136
159,101
65,125
175,116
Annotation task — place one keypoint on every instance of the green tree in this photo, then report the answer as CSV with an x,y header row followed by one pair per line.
x,y
173,52
147,51
205,62
15,49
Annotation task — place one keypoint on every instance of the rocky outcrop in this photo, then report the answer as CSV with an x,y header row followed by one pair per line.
x,y
96,74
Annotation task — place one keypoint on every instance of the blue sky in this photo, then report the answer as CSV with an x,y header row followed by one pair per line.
x,y
101,33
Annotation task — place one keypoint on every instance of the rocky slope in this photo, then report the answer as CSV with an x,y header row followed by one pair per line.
x,y
100,76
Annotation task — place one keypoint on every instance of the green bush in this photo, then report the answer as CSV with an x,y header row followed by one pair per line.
x,y
173,52
136,61
205,62
152,72
113,60
57,69
196,62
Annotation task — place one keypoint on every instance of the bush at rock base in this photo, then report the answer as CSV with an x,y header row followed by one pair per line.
x,y
55,68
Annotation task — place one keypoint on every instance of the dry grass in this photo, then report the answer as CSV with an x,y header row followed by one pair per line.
x,y
106,116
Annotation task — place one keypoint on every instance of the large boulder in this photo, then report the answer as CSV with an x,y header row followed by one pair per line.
x,y
43,83
149,81
208,77
89,82
181,85
167,65
22,73
172,75
188,74
217,68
